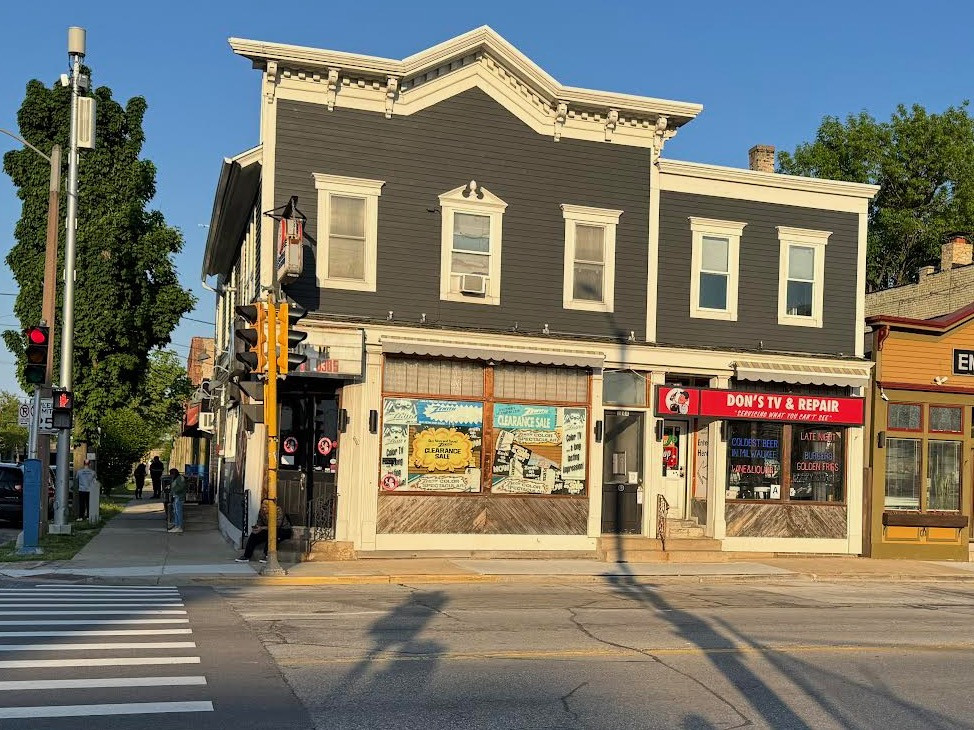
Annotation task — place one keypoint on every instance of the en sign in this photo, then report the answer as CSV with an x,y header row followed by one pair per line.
x,y
963,362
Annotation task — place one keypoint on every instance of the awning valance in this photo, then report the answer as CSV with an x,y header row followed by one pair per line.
x,y
432,348
844,375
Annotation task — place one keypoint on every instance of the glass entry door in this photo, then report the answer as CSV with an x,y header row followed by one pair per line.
x,y
622,473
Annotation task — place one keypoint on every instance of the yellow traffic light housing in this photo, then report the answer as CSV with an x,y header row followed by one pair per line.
x,y
255,337
288,339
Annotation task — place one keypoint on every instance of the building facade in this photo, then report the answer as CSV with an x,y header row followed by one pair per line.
x,y
919,503
527,329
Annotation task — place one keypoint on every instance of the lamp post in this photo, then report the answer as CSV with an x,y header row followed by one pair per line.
x,y
76,51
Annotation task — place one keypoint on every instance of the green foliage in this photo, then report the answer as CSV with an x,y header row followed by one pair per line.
x,y
164,394
125,439
924,165
128,299
12,436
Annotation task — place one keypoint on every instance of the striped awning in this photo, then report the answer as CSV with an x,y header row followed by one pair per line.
x,y
844,375
534,356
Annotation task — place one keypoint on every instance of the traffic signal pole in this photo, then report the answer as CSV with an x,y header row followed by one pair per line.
x,y
273,566
76,50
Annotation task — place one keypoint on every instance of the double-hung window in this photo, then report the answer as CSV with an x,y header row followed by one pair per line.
x,y
590,256
470,258
801,276
348,221
714,264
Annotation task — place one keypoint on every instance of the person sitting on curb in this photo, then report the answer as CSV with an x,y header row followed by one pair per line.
x,y
178,491
258,534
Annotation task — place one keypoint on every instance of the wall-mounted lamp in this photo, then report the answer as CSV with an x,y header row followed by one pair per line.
x,y
659,430
342,420
882,394
390,316
881,440
373,421
940,380
422,318
598,432
546,330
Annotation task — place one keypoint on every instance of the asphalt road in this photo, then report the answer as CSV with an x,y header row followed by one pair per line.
x,y
624,655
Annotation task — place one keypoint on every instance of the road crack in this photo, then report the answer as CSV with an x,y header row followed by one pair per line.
x,y
745,720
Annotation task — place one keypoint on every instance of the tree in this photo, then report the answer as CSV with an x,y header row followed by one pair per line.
x,y
924,166
128,298
164,394
125,438
13,438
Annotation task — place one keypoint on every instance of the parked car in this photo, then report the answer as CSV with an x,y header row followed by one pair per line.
x,y
12,493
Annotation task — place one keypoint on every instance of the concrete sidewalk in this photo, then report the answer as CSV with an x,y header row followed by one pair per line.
x,y
136,547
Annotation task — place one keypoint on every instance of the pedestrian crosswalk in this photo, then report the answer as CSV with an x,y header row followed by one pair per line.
x,y
78,651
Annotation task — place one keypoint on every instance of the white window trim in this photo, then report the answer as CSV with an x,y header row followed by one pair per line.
x,y
731,230
490,205
352,187
816,240
608,220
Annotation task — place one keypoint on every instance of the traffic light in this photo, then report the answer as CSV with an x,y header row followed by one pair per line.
x,y
289,315
35,366
62,413
255,336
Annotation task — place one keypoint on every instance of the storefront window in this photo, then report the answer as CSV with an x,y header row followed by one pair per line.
x,y
754,460
902,474
945,419
623,388
904,417
943,475
431,445
817,464
538,449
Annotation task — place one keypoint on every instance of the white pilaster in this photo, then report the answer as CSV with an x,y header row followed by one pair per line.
x,y
653,468
595,456
716,519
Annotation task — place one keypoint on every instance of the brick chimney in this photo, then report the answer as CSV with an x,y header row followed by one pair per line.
x,y
956,251
761,157
925,271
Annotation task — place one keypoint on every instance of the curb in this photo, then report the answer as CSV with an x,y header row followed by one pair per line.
x,y
460,579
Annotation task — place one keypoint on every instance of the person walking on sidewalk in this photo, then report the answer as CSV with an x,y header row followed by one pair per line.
x,y
87,483
178,491
258,534
139,480
155,471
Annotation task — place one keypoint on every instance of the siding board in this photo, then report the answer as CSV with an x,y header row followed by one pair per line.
x,y
468,136
757,313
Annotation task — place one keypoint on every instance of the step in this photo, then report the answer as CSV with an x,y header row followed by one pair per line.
x,y
675,556
296,551
479,554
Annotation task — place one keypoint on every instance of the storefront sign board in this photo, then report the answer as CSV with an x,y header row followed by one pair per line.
x,y
963,362
332,354
743,405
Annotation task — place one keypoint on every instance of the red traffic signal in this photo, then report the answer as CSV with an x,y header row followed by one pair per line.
x,y
35,353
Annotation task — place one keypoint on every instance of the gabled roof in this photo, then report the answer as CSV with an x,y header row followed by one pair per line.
x,y
934,325
485,39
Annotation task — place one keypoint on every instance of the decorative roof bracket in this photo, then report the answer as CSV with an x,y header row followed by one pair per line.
x,y
561,114
611,121
660,135
392,91
271,80
332,89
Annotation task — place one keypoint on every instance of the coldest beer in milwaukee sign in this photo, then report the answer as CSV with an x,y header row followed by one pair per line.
x,y
736,404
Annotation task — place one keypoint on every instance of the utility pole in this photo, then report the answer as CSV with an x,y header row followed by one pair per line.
x,y
76,52
272,567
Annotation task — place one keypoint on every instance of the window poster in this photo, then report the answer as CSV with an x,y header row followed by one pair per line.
x,y
817,466
754,460
431,445
538,449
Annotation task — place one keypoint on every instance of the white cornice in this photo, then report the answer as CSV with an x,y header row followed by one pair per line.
x,y
743,176
248,157
482,38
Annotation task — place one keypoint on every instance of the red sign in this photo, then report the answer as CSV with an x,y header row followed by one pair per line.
x,y
325,445
736,404
290,445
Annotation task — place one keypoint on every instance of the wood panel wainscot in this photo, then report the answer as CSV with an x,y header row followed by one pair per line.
x,y
489,515
785,520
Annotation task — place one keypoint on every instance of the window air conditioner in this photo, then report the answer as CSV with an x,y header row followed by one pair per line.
x,y
475,284
207,422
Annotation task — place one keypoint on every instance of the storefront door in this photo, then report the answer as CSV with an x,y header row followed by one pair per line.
x,y
309,444
675,466
622,472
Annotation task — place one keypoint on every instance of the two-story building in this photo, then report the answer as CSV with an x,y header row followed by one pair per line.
x,y
527,329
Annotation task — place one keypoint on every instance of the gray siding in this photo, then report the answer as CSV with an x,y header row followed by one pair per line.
x,y
468,137
757,307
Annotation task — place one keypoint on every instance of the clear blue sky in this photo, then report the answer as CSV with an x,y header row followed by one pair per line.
x,y
766,72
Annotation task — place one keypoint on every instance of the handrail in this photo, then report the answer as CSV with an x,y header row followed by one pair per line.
x,y
662,508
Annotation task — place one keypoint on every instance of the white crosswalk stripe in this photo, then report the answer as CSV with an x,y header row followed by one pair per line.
x,y
89,630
